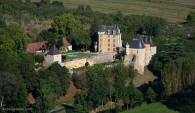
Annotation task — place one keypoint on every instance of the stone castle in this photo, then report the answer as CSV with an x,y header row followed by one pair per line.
x,y
109,39
140,53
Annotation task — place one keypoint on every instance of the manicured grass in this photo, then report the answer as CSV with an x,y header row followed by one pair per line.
x,y
151,108
174,11
78,55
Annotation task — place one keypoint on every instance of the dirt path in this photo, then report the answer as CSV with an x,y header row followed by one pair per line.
x,y
72,91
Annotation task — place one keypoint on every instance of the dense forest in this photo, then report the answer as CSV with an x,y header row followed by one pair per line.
x,y
174,63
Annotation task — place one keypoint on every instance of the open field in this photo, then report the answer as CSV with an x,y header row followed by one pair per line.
x,y
172,10
151,108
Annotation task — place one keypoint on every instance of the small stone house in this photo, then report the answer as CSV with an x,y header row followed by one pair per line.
x,y
53,56
66,46
140,53
41,48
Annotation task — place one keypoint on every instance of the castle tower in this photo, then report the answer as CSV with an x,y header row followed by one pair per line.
x,y
127,49
140,53
137,50
109,38
53,55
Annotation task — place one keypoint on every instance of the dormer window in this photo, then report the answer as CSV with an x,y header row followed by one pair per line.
x,y
109,32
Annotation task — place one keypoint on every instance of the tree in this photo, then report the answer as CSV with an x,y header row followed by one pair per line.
x,y
28,1
66,25
7,85
86,64
17,34
12,91
191,18
48,91
45,2
7,45
45,35
52,42
39,58
151,95
178,75
57,3
62,74
80,81
80,40
126,100
79,109
118,109
59,43
135,95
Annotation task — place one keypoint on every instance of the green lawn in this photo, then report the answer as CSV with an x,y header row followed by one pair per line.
x,y
151,108
172,10
78,55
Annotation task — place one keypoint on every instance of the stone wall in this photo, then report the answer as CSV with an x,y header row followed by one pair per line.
x,y
53,58
148,54
100,58
76,63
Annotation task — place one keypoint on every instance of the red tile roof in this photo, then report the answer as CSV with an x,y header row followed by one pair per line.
x,y
65,42
33,47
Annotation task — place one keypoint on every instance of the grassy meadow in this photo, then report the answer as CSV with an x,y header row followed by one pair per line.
x,y
171,10
151,108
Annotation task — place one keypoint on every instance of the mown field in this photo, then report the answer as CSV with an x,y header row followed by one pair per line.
x,y
172,10
151,108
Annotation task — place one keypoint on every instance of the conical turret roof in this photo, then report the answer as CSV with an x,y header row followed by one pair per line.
x,y
53,51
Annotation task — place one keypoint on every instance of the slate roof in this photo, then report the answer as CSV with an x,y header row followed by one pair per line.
x,y
137,44
53,51
105,28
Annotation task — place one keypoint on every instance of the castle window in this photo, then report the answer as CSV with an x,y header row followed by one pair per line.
x,y
108,49
108,40
113,45
108,45
113,40
109,32
114,49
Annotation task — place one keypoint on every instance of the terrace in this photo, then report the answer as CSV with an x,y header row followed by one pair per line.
x,y
76,55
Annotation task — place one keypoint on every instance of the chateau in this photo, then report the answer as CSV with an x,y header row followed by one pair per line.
x,y
140,53
109,39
